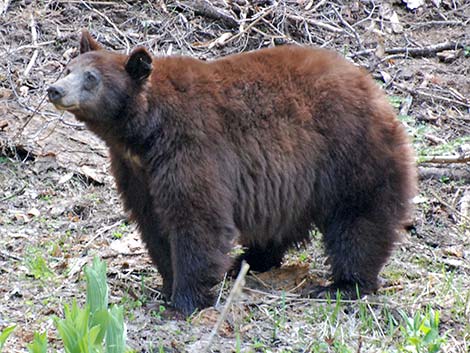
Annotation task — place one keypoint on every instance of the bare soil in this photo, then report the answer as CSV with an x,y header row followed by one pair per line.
x,y
59,207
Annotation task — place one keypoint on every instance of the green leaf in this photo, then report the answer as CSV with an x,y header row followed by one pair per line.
x,y
75,331
39,344
430,336
424,328
101,319
97,288
5,334
115,333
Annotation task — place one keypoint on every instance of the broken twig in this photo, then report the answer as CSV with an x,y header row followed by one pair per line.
x,y
34,36
237,287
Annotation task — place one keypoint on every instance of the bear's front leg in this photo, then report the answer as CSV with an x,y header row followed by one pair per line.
x,y
160,253
199,260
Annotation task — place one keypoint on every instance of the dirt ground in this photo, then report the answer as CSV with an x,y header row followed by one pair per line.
x,y
59,207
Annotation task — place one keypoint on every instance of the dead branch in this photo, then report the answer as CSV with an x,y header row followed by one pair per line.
x,y
461,158
236,290
449,206
316,23
426,51
16,193
465,203
431,50
430,95
442,173
7,255
434,139
438,23
107,19
34,36
206,9
406,105
351,28
317,5
247,29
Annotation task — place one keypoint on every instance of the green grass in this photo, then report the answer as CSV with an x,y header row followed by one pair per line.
x,y
448,148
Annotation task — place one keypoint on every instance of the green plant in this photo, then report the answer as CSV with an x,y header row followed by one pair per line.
x,y
97,288
46,198
75,331
36,264
279,318
421,332
450,147
109,322
396,101
158,314
119,233
39,344
5,334
115,331
94,328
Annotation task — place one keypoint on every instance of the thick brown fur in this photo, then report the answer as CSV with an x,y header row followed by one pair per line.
x,y
258,148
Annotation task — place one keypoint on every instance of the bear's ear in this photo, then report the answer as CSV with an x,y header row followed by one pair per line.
x,y
87,43
139,64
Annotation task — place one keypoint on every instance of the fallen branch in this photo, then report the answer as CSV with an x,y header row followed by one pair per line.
x,y
6,255
438,23
237,287
16,193
415,52
351,28
430,95
316,23
464,158
208,10
444,173
449,206
107,19
248,28
426,51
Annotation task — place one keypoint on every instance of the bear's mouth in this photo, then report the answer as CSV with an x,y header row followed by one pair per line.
x,y
68,108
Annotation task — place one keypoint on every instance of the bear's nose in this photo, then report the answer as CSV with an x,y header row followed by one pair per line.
x,y
55,93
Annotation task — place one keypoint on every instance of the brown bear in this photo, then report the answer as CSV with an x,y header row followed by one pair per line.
x,y
256,148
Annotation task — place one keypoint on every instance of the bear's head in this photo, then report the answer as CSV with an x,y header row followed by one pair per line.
x,y
99,83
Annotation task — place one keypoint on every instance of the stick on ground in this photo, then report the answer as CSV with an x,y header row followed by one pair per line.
x,y
237,287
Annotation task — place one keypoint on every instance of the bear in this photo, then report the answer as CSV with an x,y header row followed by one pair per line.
x,y
256,149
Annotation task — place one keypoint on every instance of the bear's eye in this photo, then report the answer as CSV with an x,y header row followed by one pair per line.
x,y
91,80
66,72
90,77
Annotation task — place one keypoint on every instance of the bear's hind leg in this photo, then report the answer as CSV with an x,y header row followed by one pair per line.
x,y
358,248
261,259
